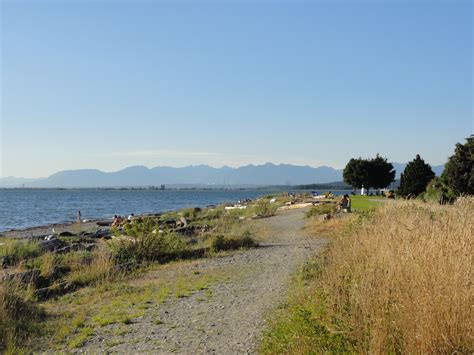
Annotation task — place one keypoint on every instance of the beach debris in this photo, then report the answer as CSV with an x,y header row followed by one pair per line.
x,y
234,207
273,200
104,223
50,244
182,223
295,206
102,233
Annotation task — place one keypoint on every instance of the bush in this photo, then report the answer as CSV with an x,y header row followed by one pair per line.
x,y
191,213
146,247
220,243
264,208
318,210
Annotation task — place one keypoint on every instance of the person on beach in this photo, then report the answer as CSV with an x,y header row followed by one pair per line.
x,y
130,217
78,217
344,204
117,221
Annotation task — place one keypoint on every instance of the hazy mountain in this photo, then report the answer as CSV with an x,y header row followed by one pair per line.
x,y
267,174
11,181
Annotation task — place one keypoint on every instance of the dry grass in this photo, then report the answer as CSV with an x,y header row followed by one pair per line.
x,y
19,315
399,282
100,268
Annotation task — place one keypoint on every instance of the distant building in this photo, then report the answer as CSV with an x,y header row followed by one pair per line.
x,y
162,187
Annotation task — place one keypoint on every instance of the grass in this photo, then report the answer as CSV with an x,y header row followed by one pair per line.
x,y
398,280
80,338
17,250
364,203
322,209
100,271
19,316
110,307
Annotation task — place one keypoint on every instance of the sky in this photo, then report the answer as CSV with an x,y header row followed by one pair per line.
x,y
110,84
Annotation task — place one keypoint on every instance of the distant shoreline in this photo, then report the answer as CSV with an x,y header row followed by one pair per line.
x,y
29,212
282,188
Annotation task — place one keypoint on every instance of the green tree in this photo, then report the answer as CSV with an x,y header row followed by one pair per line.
x,y
381,173
376,173
458,174
356,173
415,177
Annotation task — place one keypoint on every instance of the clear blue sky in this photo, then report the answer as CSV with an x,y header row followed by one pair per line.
x,y
108,84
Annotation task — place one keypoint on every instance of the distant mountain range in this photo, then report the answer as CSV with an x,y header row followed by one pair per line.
x,y
199,175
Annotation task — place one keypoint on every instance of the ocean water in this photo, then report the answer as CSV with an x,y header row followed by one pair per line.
x,y
22,208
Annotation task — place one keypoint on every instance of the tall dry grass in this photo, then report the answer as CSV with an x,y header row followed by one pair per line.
x,y
403,280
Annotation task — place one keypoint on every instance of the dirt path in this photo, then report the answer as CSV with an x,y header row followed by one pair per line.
x,y
229,316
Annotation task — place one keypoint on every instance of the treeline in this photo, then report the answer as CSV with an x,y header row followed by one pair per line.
x,y
418,178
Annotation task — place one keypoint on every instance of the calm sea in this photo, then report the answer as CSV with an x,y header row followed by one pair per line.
x,y
22,208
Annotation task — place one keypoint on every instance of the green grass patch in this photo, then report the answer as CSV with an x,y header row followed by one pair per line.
x,y
79,339
303,324
365,203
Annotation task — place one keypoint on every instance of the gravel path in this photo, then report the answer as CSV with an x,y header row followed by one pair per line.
x,y
233,318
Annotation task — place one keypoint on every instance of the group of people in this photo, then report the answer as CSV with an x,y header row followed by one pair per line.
x,y
118,220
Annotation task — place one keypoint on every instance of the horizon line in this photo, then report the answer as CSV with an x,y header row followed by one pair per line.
x,y
184,166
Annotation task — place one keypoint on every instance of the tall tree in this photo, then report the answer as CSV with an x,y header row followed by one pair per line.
x,y
376,172
415,177
381,173
356,173
458,174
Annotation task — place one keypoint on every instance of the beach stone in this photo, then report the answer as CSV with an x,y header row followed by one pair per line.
x,y
66,234
50,245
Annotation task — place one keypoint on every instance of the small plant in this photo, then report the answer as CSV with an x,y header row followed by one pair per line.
x,y
319,210
220,243
191,213
48,265
79,340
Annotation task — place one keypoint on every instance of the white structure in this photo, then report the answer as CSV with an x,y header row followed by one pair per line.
x,y
363,191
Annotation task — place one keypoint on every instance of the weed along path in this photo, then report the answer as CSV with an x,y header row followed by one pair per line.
x,y
215,305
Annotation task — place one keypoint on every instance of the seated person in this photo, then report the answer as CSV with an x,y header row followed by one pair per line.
x,y
344,204
117,221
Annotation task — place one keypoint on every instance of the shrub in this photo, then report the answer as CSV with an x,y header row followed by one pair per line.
x,y
318,210
220,243
191,213
146,247
264,208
